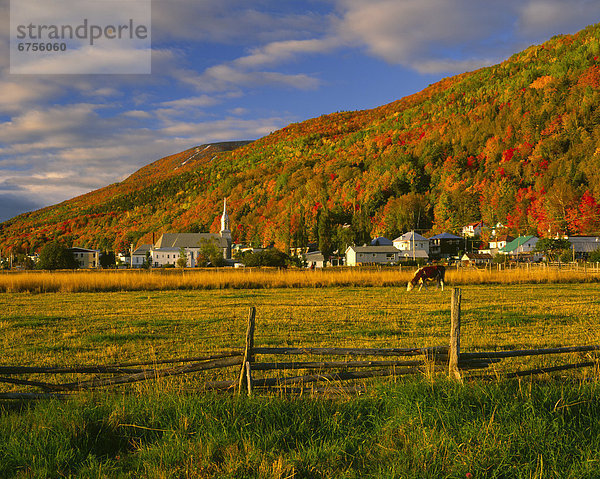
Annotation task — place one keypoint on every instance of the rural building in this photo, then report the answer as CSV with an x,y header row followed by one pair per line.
x,y
412,241
167,249
139,255
417,254
86,258
314,259
473,229
356,255
476,259
500,242
300,250
584,245
444,245
520,245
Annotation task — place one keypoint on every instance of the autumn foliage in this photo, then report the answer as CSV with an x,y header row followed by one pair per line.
x,y
515,143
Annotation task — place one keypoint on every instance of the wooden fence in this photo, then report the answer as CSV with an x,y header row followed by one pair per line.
x,y
343,364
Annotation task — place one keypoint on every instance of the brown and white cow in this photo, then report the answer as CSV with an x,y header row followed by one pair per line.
x,y
427,273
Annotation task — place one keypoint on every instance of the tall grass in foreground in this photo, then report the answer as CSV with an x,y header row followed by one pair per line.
x,y
412,429
91,281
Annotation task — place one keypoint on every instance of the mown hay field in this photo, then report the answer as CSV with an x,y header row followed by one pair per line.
x,y
124,326
401,427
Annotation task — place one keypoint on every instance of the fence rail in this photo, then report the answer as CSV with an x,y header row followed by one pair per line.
x,y
346,364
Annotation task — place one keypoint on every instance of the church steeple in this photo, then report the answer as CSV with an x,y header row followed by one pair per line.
x,y
225,219
225,231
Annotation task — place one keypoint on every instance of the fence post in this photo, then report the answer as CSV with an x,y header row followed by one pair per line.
x,y
454,352
248,356
249,378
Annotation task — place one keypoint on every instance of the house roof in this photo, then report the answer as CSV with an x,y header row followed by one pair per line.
x,y
410,236
83,250
506,238
445,236
381,241
374,249
475,225
584,244
142,249
314,256
187,240
514,244
472,256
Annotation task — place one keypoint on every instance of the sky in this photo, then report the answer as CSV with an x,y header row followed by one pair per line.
x,y
240,69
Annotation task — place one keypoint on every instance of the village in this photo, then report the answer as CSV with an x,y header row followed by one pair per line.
x,y
191,250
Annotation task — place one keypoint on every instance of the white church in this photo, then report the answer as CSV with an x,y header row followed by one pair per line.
x,y
167,249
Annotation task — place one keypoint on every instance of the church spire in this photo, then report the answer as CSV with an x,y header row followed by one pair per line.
x,y
225,231
225,218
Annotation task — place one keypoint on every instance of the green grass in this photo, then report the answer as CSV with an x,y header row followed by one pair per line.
x,y
421,427
413,429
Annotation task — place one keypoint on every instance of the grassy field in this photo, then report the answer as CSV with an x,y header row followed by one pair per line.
x,y
416,427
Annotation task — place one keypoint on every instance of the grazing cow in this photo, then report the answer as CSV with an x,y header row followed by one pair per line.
x,y
427,273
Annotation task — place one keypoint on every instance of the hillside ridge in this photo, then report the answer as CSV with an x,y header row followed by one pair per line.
x,y
513,143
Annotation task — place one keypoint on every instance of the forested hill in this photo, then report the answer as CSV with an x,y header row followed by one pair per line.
x,y
516,143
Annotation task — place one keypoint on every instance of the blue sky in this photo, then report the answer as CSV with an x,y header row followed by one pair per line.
x,y
239,69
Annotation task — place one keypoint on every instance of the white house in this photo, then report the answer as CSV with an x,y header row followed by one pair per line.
x,y
356,255
414,255
412,241
314,259
500,242
473,229
476,258
139,256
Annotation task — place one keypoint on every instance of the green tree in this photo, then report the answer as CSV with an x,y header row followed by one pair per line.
x,y
107,259
182,260
56,256
595,256
325,234
552,248
269,257
147,261
210,253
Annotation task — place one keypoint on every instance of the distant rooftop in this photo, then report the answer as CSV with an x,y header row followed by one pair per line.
x,y
447,236
410,236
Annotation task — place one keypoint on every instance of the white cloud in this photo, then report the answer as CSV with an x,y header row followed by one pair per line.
x,y
544,18
421,34
192,102
55,153
138,114
229,77
16,94
239,111
89,59
231,21
281,51
434,36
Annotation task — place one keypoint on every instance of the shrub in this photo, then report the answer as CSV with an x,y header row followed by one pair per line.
x,y
56,256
